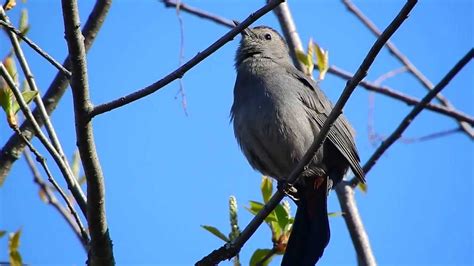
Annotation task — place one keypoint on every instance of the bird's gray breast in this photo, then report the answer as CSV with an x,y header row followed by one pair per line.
x,y
270,123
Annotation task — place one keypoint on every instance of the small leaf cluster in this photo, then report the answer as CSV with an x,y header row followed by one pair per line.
x,y
315,55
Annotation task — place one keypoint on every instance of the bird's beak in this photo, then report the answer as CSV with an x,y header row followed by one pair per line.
x,y
246,32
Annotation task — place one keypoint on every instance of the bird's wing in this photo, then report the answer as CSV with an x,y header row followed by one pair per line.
x,y
341,133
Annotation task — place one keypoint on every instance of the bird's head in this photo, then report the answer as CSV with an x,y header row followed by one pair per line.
x,y
262,42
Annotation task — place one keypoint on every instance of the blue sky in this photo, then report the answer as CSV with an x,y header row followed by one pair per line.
x,y
168,173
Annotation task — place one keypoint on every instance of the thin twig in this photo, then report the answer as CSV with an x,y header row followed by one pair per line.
x,y
100,252
414,112
406,62
14,147
229,250
181,91
399,96
390,74
35,47
76,224
199,13
178,73
52,200
69,177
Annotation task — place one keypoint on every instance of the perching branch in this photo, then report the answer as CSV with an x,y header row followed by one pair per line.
x,y
178,73
406,62
14,147
229,250
68,176
100,252
35,47
414,112
76,224
402,97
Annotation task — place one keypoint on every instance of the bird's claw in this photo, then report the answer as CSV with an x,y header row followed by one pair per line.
x,y
289,190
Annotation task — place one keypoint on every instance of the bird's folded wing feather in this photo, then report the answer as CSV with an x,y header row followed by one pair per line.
x,y
341,133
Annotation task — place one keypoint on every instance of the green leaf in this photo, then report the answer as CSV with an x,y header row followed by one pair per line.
x,y
255,207
28,96
267,188
283,216
259,255
24,27
15,259
2,233
322,60
215,232
5,97
302,58
75,164
363,187
335,214
13,244
10,65
14,240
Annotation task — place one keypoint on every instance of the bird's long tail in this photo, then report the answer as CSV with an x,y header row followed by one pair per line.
x,y
310,233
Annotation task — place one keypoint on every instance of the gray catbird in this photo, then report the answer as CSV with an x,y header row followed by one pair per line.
x,y
277,112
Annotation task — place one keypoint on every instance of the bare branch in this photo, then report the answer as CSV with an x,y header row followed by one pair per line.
x,y
76,224
14,147
199,13
35,47
414,112
399,96
68,176
345,194
178,73
406,62
100,252
229,250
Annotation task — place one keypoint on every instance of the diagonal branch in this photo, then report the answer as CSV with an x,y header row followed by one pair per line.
x,y
402,97
14,147
406,62
35,47
229,250
100,252
414,112
178,73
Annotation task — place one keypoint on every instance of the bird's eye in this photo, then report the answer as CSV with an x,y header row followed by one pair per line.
x,y
268,36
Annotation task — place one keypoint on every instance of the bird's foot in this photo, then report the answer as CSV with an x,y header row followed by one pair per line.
x,y
289,190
